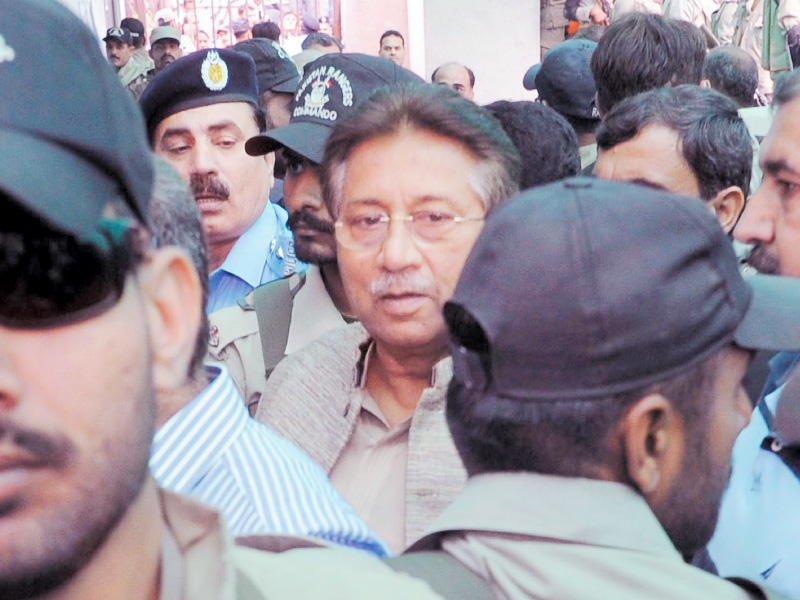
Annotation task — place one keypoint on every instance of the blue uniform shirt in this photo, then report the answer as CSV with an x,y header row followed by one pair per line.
x,y
758,532
263,253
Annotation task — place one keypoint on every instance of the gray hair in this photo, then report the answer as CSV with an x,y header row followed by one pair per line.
x,y
175,221
432,108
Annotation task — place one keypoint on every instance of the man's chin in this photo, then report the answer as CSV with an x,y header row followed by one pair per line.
x,y
314,254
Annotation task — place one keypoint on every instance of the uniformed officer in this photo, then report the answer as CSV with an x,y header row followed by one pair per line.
x,y
200,110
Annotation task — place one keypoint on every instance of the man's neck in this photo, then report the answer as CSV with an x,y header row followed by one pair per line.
x,y
217,253
396,378
127,565
586,139
169,403
333,283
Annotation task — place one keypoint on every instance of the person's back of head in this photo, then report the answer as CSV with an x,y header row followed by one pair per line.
x,y
322,42
268,30
733,72
690,43
714,140
640,318
136,28
641,52
545,140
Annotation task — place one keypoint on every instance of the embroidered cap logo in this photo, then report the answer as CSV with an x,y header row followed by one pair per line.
x,y
214,72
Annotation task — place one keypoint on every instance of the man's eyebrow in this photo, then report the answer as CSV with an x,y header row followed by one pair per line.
x,y
173,132
778,165
222,126
648,184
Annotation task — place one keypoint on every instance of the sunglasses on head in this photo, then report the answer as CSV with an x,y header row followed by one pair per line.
x,y
49,279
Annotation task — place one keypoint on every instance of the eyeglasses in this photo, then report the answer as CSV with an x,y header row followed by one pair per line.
x,y
51,280
367,229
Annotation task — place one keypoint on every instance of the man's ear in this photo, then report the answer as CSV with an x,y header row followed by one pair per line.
x,y
727,205
653,444
269,158
171,288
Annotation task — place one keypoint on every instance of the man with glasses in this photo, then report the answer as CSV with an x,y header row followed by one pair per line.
x,y
408,180
282,317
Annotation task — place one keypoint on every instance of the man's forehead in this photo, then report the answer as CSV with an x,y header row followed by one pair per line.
x,y
653,157
780,146
212,116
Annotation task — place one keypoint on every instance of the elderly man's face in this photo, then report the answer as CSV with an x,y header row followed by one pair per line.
x,y
771,219
118,53
76,421
398,286
456,78
393,48
206,146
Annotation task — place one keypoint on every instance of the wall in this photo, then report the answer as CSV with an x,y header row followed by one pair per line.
x,y
363,22
498,40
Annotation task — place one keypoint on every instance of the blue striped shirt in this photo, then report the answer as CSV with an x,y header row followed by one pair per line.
x,y
213,451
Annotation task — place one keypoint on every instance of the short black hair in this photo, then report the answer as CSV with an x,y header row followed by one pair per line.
x,y
563,437
389,32
715,141
641,52
545,141
691,43
733,72
787,88
321,39
268,30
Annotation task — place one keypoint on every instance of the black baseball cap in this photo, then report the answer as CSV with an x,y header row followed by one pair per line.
x,y
135,26
331,87
66,165
119,34
199,79
564,79
275,70
587,288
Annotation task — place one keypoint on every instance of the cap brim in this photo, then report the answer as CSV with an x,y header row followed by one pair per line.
x,y
306,139
529,81
71,196
772,320
287,87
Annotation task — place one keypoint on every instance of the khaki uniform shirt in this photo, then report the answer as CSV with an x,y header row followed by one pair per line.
x,y
314,398
236,341
201,562
545,537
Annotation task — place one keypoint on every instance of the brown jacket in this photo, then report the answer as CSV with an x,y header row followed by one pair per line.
x,y
313,399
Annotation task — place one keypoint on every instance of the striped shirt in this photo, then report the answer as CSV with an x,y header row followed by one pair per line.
x,y
213,451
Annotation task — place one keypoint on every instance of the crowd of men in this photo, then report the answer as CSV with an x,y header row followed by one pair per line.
x,y
308,326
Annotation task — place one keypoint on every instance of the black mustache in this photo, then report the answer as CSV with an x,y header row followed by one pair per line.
x,y
310,220
762,261
46,449
208,185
